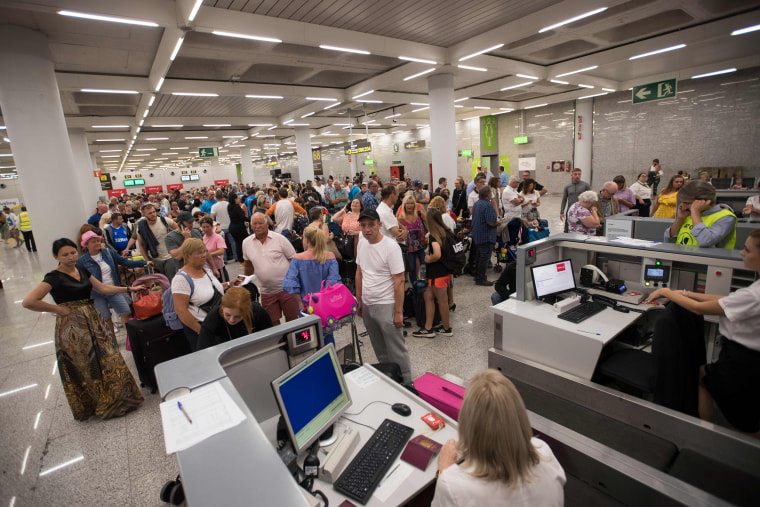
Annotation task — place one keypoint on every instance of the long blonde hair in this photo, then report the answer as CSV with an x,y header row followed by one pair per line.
x,y
436,226
239,299
494,430
317,242
407,199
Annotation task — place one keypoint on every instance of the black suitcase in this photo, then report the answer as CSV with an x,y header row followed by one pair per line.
x,y
418,292
153,343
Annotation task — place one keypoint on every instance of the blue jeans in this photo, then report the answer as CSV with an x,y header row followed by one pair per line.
x,y
496,298
413,258
482,256
192,338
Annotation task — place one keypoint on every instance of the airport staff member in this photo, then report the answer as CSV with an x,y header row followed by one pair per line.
x,y
732,381
700,221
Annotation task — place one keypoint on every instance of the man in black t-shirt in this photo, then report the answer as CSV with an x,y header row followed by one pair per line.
x,y
539,187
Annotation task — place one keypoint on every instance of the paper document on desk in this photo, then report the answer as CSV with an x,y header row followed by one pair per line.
x,y
395,477
641,243
211,410
362,377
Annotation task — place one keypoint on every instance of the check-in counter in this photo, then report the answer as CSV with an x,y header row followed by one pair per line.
x,y
553,362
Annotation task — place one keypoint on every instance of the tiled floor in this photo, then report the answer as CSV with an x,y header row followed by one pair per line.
x,y
47,458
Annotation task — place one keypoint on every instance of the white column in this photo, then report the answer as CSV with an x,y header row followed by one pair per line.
x,y
443,134
303,151
584,134
246,166
84,166
31,105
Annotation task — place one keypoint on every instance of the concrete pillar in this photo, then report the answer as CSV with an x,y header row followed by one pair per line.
x,y
246,166
31,105
303,152
443,134
84,166
584,134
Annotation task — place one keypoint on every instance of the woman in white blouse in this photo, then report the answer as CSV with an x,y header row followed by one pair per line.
x,y
500,463
643,193
532,199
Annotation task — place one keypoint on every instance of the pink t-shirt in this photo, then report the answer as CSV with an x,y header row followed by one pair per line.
x,y
270,260
214,243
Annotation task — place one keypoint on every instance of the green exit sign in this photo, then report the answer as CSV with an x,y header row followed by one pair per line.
x,y
521,140
208,152
369,161
466,153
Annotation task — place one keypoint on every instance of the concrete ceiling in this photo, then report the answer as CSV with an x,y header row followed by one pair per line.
x,y
95,54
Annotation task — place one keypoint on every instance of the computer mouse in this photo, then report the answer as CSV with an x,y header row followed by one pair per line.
x,y
402,409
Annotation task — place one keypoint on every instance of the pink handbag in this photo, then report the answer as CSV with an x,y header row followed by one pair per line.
x,y
332,303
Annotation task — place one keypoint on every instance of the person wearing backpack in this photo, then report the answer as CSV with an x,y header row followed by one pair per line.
x,y
194,291
439,275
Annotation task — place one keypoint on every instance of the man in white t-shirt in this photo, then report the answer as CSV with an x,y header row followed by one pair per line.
x,y
511,200
380,293
752,208
388,222
319,187
268,254
284,213
220,214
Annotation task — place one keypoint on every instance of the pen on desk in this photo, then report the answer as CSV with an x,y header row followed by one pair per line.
x,y
179,406
448,390
391,472
589,332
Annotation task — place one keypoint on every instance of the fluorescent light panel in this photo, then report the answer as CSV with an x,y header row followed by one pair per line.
x,y
585,85
572,20
263,97
361,94
467,67
348,50
217,125
176,48
558,82
516,86
245,36
480,52
110,126
331,105
589,96
194,10
194,94
419,74
99,90
418,60
657,52
577,71
748,29
525,76
716,73
112,19
533,107
328,99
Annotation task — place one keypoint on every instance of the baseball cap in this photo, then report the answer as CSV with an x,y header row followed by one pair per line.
x,y
369,213
185,216
87,236
417,183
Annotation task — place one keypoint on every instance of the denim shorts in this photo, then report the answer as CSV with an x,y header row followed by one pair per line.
x,y
116,301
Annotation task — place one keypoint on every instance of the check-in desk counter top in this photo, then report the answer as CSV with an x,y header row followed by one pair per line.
x,y
531,329
240,466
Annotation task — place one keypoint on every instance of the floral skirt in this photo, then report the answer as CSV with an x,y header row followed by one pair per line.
x,y
95,377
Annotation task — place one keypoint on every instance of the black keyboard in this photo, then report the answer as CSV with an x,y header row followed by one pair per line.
x,y
582,311
361,477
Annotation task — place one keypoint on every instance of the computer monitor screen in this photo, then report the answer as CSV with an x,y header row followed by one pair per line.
x,y
721,183
184,178
311,397
550,279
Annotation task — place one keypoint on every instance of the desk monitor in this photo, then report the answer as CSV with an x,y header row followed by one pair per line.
x,y
552,279
311,397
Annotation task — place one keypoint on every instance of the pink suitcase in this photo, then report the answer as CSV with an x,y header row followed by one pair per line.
x,y
442,394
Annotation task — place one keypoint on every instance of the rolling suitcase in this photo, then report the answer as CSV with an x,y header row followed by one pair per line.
x,y
418,291
442,394
153,343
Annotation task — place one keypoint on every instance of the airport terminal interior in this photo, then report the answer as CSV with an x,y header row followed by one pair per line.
x,y
102,99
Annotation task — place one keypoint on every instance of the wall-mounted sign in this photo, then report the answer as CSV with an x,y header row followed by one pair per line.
x,y
127,176
221,183
316,160
154,189
466,153
395,147
369,161
208,152
272,160
105,182
354,147
174,186
489,139
412,145
654,91
117,192
96,174
521,140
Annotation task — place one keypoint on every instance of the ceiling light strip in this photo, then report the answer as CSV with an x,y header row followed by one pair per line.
x,y
473,55
658,51
572,20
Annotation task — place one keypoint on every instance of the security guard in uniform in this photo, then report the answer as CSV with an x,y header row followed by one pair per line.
x,y
25,225
700,221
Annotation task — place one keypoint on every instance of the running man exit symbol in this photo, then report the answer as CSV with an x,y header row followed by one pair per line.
x,y
654,91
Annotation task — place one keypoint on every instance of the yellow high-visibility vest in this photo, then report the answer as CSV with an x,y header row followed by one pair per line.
x,y
26,224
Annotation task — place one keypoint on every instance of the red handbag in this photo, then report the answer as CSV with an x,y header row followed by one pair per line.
x,y
147,306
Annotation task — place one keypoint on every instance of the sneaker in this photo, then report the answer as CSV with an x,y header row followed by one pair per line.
x,y
424,333
444,332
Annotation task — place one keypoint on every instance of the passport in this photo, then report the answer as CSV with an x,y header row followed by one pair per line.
x,y
419,451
